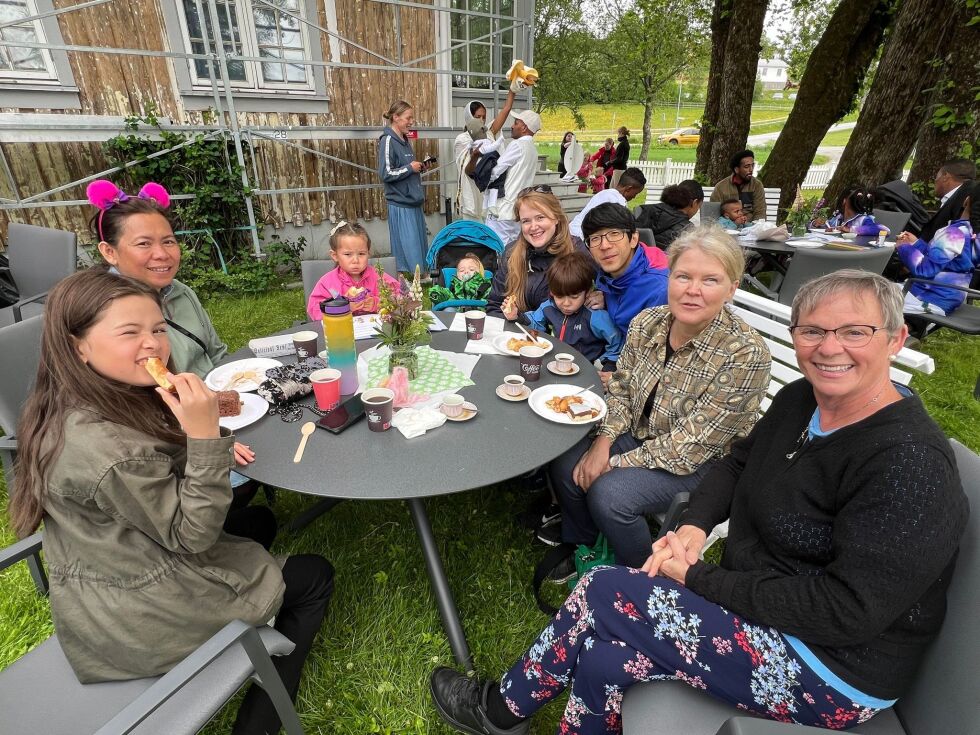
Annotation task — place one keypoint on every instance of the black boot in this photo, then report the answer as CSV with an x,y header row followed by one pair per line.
x,y
462,702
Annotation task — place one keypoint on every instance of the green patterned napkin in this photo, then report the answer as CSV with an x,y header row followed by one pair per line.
x,y
436,373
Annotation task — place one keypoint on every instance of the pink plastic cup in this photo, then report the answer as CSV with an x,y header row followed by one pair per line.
x,y
326,388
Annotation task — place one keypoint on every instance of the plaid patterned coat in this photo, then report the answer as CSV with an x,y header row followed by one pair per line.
x,y
707,395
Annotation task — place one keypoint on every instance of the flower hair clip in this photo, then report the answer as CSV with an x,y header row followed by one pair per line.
x,y
103,194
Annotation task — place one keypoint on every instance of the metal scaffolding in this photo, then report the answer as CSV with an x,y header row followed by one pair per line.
x,y
50,128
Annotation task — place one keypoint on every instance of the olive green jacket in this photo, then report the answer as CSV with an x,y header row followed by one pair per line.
x,y
725,190
181,305
141,571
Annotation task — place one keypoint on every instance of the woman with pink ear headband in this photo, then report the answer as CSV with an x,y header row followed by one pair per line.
x,y
136,238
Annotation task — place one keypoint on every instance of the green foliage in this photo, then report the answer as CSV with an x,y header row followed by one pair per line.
x,y
214,240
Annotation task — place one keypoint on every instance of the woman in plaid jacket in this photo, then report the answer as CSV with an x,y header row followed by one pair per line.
x,y
689,381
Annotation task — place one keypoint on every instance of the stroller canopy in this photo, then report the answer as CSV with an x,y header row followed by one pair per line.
x,y
456,239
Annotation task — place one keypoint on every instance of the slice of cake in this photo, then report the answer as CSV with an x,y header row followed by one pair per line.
x,y
229,403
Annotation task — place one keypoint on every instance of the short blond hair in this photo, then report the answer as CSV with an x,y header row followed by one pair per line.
x,y
711,240
855,282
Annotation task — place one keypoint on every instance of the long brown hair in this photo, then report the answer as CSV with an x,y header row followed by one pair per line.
x,y
64,382
560,244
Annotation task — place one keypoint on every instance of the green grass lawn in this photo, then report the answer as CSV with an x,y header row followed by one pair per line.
x,y
368,672
837,137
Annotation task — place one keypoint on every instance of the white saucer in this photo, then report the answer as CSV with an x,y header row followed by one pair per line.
x,y
502,393
469,411
553,367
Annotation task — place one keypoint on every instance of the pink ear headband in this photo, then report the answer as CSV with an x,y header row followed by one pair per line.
x,y
103,195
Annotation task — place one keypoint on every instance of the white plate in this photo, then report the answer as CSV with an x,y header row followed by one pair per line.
x,y
500,343
553,367
218,378
254,407
540,397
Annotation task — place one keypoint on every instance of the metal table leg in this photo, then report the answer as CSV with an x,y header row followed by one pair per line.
x,y
309,515
440,585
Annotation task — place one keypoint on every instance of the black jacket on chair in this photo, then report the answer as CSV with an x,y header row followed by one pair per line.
x,y
950,211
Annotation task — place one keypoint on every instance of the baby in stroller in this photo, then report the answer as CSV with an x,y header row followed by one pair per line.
x,y
470,282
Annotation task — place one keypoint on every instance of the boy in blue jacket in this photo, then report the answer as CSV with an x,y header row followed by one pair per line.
x,y
566,317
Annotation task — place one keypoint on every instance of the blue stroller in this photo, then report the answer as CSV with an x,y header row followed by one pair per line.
x,y
450,244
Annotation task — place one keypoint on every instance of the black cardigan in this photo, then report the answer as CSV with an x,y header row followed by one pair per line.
x,y
848,545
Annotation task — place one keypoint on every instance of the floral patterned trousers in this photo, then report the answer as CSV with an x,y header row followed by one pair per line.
x,y
619,627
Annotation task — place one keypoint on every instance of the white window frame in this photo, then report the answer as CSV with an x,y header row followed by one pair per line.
x,y
491,41
50,73
250,47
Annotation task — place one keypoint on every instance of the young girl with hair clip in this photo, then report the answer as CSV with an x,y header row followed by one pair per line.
x,y
520,283
131,483
354,278
854,215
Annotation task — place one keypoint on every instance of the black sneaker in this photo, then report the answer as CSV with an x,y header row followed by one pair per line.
x,y
550,535
531,516
564,571
550,516
462,702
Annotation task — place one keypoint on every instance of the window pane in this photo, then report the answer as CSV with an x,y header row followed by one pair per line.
x,y
230,35
19,59
279,36
480,57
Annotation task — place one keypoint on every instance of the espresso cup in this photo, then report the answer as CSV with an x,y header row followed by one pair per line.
x,y
326,388
305,343
531,363
474,324
378,405
564,363
513,385
452,405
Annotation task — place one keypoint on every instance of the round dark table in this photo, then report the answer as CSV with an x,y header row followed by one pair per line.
x,y
505,439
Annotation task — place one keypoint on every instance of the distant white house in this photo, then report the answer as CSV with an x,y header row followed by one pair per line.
x,y
772,73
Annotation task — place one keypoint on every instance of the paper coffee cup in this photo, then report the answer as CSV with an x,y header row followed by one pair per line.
x,y
378,405
474,324
305,343
531,363
513,385
452,405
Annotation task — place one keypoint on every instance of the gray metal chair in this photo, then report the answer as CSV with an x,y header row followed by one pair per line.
x,y
20,352
647,237
314,270
806,265
39,258
894,221
943,698
40,694
710,212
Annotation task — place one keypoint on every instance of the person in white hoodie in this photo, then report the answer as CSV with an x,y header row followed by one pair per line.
x,y
518,162
469,199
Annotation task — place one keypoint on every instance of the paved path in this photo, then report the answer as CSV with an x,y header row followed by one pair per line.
x,y
770,137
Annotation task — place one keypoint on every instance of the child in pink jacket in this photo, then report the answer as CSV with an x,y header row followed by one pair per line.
x,y
354,278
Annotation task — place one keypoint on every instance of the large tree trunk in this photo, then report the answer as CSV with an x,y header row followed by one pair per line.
x,y
960,74
721,21
742,47
647,115
895,107
832,79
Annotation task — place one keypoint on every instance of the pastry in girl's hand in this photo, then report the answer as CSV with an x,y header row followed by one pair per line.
x,y
155,367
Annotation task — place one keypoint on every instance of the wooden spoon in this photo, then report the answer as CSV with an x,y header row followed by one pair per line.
x,y
306,429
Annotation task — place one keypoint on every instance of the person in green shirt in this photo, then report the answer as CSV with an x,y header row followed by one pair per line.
x,y
136,238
